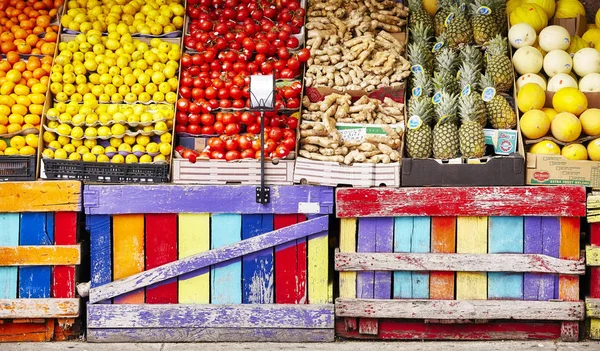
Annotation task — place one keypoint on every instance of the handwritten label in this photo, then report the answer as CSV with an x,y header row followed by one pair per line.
x,y
488,94
356,134
438,46
417,91
417,69
449,19
484,10
436,98
466,90
414,122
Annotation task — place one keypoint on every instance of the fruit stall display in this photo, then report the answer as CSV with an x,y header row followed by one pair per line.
x,y
225,44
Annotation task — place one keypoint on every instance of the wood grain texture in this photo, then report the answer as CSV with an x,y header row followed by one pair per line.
x,y
318,268
100,230
194,238
27,332
348,245
443,240
100,199
38,308
411,234
9,236
40,255
569,331
542,236
462,201
258,277
54,196
592,307
128,252
65,233
471,237
211,316
163,335
594,270
594,332
460,310
505,235
592,256
569,249
37,228
161,248
226,277
290,263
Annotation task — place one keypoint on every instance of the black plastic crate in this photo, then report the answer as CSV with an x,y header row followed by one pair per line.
x,y
106,172
17,168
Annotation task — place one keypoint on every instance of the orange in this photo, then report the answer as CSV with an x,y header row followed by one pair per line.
x,y
5,66
20,66
32,39
43,21
39,73
51,37
20,33
47,49
45,80
38,30
47,60
13,76
32,81
24,48
27,75
36,51
39,88
33,63
12,57
7,36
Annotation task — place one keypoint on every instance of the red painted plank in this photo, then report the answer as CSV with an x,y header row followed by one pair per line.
x,y
402,330
595,271
161,248
65,233
290,264
563,201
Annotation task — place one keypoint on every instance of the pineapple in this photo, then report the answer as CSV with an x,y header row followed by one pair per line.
x,y
470,133
446,69
422,81
484,25
445,132
500,114
437,50
470,76
421,50
472,55
499,13
459,30
439,20
418,15
499,67
419,141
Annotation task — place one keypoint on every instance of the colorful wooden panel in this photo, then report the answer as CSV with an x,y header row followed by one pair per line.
x,y
443,240
65,233
36,228
541,236
569,249
54,196
257,268
318,268
594,281
161,248
9,236
100,230
194,237
290,264
226,278
505,235
128,252
348,244
471,237
411,234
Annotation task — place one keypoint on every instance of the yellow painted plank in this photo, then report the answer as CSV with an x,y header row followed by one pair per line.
x,y
595,328
318,270
128,252
348,244
471,237
592,256
51,196
64,255
194,237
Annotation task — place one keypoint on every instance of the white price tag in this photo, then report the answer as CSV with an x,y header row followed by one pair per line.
x,y
356,134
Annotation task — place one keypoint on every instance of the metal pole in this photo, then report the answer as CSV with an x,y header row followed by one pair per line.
x,y
263,192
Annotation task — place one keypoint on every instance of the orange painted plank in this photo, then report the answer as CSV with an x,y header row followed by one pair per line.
x,y
22,332
54,196
443,239
569,249
128,252
39,255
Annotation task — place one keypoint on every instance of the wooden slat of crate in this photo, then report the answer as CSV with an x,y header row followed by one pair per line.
x,y
593,260
357,175
223,172
38,308
52,196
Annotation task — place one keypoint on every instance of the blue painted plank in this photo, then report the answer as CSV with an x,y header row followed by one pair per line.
x,y
226,278
37,228
505,236
421,243
99,227
403,228
412,234
257,268
9,236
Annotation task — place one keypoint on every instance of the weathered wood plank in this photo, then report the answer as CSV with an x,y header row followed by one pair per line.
x,y
38,308
27,332
594,279
460,309
594,332
104,199
257,268
37,228
128,252
568,285
505,235
290,263
226,277
365,280
592,256
161,248
65,233
317,269
569,331
9,236
347,245
592,307
194,237
411,234
205,259
52,196
542,236
40,255
162,335
211,316
456,262
471,237
99,227
462,201
443,240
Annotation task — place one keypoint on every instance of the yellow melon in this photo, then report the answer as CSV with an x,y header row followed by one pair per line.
x,y
569,9
566,127
593,150
511,5
569,100
534,124
531,96
575,152
531,14
545,147
547,5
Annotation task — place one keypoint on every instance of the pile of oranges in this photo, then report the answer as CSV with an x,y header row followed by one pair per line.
x,y
26,26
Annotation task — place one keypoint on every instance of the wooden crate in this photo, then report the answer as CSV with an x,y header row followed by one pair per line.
x,y
358,174
207,263
220,172
460,263
592,301
38,255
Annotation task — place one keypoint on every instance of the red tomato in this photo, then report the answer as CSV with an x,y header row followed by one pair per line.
x,y
292,122
207,119
193,129
219,127
208,130
231,144
281,151
232,155
289,143
232,128
253,128
183,104
275,133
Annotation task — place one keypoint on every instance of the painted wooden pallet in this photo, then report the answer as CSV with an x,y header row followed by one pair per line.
x,y
460,263
363,175
207,263
38,258
592,301
220,172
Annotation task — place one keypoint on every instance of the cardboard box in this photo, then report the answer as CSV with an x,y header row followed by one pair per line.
x,y
558,170
575,26
504,141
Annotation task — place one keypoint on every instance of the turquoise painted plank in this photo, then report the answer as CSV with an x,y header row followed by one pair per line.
x,y
505,236
226,278
411,234
36,228
9,236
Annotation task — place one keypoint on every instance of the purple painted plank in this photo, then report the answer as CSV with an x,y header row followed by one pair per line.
x,y
162,335
384,242
365,281
211,316
108,199
204,259
542,236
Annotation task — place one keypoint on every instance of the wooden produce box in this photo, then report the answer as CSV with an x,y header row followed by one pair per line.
x,y
39,254
185,263
244,172
478,263
357,175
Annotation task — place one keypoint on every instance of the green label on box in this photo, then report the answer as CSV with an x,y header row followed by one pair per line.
x,y
358,132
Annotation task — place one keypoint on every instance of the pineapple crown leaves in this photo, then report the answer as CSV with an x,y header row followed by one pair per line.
x,y
477,4
422,108
421,33
423,80
419,54
469,75
472,55
445,110
467,109
446,60
497,46
441,80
